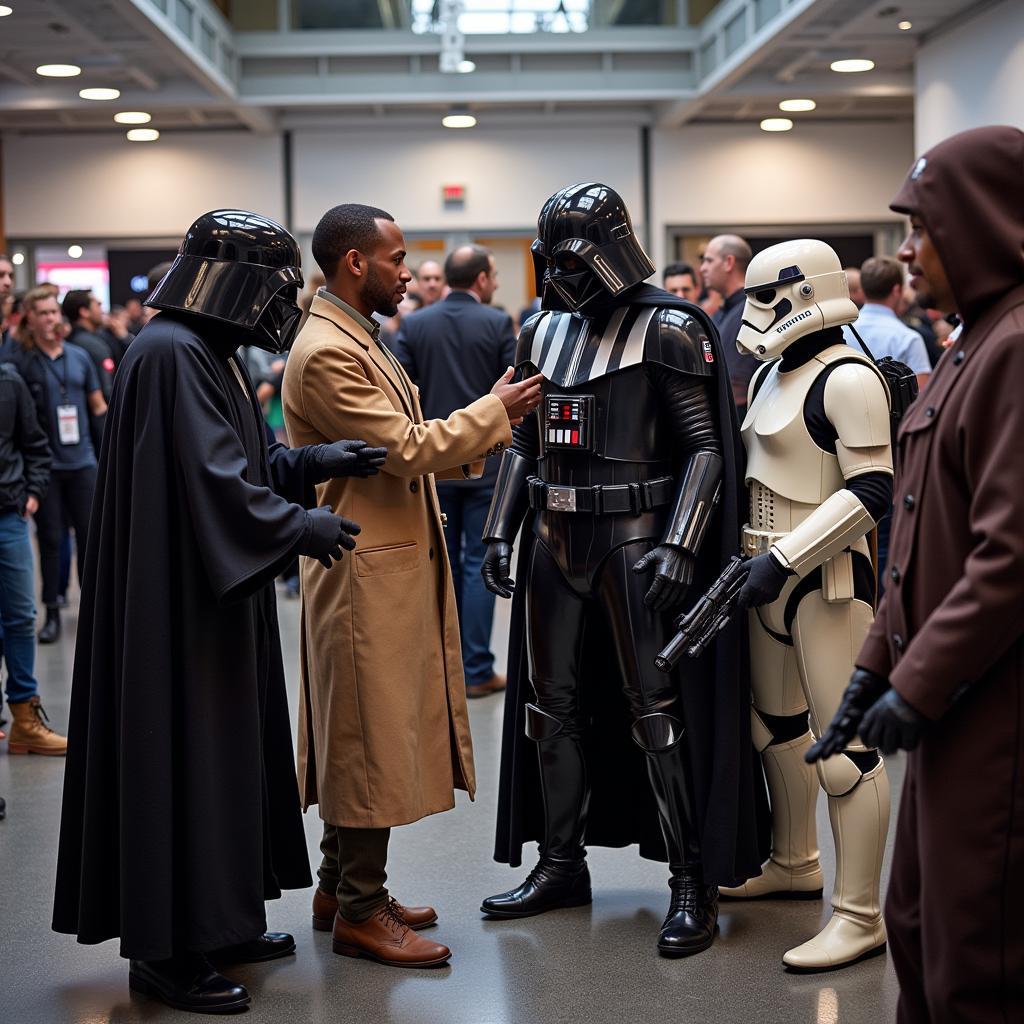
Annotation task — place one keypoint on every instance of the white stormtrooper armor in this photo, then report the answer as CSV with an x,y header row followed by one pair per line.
x,y
817,437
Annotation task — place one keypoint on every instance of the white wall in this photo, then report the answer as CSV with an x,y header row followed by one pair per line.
x,y
722,175
102,186
508,173
971,76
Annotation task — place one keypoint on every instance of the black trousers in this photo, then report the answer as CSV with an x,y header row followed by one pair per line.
x,y
68,502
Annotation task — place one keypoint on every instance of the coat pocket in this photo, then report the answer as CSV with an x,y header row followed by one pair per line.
x,y
384,561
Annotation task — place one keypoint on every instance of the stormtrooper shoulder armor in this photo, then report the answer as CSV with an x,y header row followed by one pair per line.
x,y
857,405
680,341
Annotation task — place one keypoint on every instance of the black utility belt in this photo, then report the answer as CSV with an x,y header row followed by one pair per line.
x,y
601,499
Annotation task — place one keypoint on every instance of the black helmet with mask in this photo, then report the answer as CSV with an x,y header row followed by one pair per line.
x,y
238,268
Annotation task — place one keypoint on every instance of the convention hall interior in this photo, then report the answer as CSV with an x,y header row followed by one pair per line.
x,y
121,121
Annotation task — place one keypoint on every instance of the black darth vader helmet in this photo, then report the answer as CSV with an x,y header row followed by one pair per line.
x,y
585,249
238,268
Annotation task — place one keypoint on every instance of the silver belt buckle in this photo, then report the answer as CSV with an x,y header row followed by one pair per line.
x,y
561,499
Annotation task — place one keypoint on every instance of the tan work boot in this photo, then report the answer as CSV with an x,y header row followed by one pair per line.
x,y
30,733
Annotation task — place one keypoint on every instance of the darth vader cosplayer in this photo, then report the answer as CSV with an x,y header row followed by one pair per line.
x,y
627,483
181,811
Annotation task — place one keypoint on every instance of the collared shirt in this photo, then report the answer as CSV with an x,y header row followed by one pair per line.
x,y
886,335
370,326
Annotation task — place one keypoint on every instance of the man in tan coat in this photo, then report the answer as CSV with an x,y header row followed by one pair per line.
x,y
383,728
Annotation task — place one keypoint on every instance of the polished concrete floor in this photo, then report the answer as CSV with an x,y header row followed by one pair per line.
x,y
595,964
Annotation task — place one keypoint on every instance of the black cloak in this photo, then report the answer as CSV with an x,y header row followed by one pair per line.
x,y
181,809
731,798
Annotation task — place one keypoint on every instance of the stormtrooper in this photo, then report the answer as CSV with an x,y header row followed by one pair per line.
x,y
819,472
627,472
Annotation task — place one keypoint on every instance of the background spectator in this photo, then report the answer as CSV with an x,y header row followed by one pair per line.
x,y
429,282
83,312
853,283
681,279
6,294
453,351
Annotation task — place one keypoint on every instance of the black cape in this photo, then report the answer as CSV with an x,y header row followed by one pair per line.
x,y
731,798
181,810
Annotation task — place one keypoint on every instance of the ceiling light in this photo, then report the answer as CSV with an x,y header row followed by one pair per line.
x,y
142,135
465,67
133,117
58,70
852,66
18,258
905,26
797,106
4,11
458,117
99,94
776,124
75,252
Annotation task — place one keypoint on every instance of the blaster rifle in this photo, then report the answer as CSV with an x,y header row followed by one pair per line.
x,y
707,618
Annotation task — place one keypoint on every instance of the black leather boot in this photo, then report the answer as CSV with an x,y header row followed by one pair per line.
x,y
187,982
268,946
689,926
50,633
561,878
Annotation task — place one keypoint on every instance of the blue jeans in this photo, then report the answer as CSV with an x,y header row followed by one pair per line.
x,y
17,607
466,509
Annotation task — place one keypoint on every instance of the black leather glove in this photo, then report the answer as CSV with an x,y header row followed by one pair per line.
x,y
891,724
497,569
673,573
861,693
345,458
766,576
326,534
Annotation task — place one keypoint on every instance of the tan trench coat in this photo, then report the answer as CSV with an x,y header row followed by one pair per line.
x,y
383,727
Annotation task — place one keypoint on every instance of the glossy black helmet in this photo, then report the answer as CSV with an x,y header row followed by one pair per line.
x,y
238,268
586,249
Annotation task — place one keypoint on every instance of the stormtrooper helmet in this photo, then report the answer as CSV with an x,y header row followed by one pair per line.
x,y
793,289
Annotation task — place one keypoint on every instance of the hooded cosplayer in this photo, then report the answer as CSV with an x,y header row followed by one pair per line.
x,y
819,469
629,468
181,812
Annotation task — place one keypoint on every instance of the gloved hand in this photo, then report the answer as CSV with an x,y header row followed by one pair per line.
x,y
496,569
891,724
861,693
673,573
346,458
766,576
326,534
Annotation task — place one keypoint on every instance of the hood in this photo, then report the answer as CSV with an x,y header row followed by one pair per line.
x,y
969,191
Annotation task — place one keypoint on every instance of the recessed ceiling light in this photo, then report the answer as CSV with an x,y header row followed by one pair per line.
x,y
99,94
852,66
776,124
75,252
905,26
133,117
4,11
18,258
142,135
796,106
58,70
466,66
458,119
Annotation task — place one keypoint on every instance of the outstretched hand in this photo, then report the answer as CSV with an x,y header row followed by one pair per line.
x,y
863,690
347,458
673,573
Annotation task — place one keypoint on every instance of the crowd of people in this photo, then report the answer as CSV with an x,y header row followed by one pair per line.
x,y
412,461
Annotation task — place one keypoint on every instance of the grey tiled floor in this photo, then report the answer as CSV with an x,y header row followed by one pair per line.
x,y
595,964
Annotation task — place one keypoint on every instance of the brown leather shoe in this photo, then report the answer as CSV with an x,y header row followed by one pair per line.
x,y
493,685
31,733
386,938
325,906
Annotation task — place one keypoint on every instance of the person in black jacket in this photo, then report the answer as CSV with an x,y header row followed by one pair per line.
x,y
24,476
453,350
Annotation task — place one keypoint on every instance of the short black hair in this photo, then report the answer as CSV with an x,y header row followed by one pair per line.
x,y
675,269
74,302
465,264
345,227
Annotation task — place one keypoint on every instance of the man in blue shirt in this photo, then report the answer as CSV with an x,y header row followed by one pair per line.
x,y
63,382
883,332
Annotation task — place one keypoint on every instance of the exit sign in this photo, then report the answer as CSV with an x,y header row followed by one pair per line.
x,y
454,196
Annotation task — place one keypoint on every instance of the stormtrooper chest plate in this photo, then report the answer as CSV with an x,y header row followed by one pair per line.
x,y
781,455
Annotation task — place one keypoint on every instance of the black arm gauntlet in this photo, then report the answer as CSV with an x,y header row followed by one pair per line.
x,y
511,497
